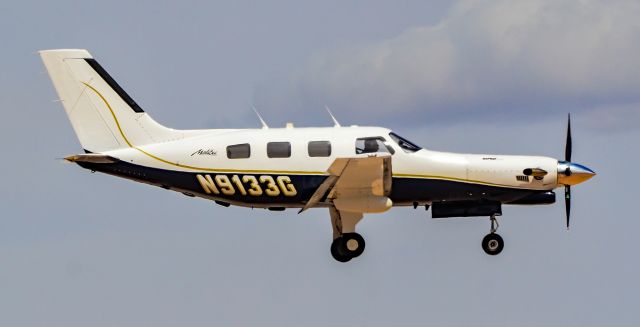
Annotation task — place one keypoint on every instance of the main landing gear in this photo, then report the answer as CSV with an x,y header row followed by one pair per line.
x,y
347,247
493,243
347,244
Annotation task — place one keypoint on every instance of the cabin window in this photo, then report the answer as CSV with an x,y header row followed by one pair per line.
x,y
278,149
372,145
239,151
319,148
405,145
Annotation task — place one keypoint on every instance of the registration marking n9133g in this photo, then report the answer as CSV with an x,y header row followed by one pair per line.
x,y
247,185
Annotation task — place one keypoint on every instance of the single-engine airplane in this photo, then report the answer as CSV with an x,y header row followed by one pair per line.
x,y
349,170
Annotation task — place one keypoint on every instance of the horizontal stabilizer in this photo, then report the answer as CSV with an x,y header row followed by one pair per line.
x,y
91,157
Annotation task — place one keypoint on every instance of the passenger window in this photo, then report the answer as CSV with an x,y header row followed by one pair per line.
x,y
278,149
372,145
239,151
319,148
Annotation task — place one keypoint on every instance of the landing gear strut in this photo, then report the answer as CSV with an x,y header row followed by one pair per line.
x,y
493,243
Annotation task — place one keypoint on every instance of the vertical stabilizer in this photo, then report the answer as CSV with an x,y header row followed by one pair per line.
x,y
104,117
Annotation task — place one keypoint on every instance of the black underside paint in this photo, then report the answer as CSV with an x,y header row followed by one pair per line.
x,y
404,191
465,209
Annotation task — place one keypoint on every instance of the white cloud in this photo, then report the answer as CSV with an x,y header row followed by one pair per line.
x,y
485,57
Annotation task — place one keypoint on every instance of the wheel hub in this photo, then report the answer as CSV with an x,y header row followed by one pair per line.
x,y
352,245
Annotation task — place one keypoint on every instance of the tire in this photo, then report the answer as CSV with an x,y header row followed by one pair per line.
x,y
338,250
353,244
492,244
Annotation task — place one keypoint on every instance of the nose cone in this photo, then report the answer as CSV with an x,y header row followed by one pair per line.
x,y
570,173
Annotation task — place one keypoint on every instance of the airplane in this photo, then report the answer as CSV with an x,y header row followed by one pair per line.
x,y
351,170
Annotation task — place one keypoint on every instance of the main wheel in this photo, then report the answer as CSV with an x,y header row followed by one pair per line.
x,y
492,244
338,250
354,244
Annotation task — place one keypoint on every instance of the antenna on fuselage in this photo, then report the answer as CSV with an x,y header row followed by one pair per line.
x,y
335,121
264,125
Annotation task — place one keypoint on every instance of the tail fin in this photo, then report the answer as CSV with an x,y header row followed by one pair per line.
x,y
102,114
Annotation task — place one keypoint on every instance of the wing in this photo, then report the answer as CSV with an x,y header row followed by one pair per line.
x,y
358,184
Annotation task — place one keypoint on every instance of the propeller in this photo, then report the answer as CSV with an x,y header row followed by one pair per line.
x,y
567,149
567,158
567,202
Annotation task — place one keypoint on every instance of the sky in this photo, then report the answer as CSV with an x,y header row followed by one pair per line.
x,y
80,249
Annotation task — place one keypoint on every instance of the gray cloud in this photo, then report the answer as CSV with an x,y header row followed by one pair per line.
x,y
617,117
484,57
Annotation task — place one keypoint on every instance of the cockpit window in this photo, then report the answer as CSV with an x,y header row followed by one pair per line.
x,y
372,145
405,144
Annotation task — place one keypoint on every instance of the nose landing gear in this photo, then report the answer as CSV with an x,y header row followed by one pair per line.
x,y
492,244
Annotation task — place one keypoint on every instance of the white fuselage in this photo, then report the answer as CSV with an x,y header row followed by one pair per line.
x,y
206,153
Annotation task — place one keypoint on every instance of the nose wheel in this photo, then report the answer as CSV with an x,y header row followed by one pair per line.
x,y
492,244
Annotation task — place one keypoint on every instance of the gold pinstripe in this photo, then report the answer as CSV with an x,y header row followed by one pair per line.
x,y
454,179
270,171
113,114
188,166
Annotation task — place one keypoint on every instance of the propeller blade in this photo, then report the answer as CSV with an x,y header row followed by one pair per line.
x,y
567,202
567,149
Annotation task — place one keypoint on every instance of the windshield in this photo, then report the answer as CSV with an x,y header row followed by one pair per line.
x,y
406,145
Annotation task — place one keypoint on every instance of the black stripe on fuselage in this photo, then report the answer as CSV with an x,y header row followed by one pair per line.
x,y
114,85
404,191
